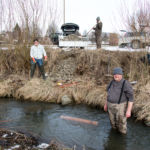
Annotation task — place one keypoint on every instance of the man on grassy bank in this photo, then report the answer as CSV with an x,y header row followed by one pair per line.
x,y
119,101
36,53
98,32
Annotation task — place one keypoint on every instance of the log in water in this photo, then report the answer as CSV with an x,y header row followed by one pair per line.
x,y
79,120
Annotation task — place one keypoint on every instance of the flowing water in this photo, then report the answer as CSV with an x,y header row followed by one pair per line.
x,y
43,120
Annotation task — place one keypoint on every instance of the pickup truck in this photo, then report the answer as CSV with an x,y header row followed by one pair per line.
x,y
70,37
135,40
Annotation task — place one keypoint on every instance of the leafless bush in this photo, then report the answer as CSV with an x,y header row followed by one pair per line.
x,y
138,18
113,39
97,65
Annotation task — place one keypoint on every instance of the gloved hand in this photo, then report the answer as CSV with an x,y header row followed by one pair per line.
x,y
33,59
45,58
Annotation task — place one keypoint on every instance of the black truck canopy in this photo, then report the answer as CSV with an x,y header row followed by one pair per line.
x,y
69,28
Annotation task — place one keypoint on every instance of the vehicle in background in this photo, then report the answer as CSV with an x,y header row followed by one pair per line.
x,y
71,37
70,28
135,40
54,37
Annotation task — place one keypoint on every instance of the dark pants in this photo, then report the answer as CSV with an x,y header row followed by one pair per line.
x,y
38,62
98,41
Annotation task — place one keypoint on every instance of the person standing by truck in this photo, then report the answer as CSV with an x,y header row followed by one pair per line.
x,y
36,53
119,101
98,32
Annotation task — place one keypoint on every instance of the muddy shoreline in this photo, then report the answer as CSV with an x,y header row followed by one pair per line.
x,y
19,141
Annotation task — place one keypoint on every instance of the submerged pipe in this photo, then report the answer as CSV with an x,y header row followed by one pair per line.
x,y
79,120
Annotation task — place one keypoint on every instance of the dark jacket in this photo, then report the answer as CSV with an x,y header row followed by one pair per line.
x,y
113,93
98,29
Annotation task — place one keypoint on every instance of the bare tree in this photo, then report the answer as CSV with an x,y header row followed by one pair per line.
x,y
16,33
55,16
52,28
137,19
33,16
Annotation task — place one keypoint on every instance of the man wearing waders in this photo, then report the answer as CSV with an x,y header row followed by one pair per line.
x,y
36,53
119,101
98,32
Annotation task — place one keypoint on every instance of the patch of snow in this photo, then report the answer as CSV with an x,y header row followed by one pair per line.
x,y
43,145
133,82
106,47
127,49
4,48
67,48
14,147
11,133
55,47
5,135
46,74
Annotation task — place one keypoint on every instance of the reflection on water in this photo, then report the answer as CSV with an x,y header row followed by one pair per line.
x,y
115,141
43,119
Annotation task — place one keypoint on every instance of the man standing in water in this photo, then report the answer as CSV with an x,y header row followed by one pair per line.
x,y
36,53
98,32
119,101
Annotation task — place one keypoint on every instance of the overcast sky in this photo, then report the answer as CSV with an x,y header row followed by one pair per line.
x,y
84,13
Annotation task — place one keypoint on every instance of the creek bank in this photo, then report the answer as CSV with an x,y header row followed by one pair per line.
x,y
81,93
83,75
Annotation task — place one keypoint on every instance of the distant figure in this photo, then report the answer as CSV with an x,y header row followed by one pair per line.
x,y
98,32
36,53
119,101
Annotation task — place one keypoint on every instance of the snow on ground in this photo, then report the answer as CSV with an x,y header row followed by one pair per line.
x,y
116,48
43,145
13,148
40,147
5,135
93,47
107,47
3,48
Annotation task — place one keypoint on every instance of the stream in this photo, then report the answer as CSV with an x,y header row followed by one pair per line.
x,y
43,120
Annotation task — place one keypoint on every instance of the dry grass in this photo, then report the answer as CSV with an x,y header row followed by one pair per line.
x,y
142,103
96,97
38,90
95,64
10,84
5,89
98,64
17,60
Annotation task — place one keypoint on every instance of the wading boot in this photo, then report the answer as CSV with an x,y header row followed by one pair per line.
x,y
41,68
33,66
